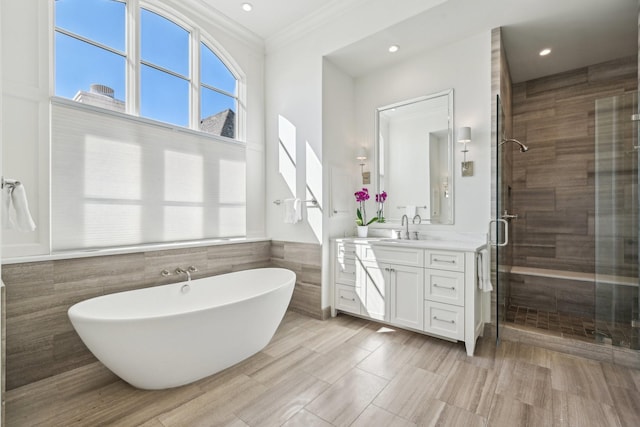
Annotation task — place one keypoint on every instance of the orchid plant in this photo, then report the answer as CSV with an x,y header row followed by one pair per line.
x,y
380,199
361,215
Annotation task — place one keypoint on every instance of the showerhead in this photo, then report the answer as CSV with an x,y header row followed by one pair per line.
x,y
523,148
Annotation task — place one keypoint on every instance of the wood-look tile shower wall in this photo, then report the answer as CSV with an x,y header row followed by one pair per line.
x,y
553,184
41,341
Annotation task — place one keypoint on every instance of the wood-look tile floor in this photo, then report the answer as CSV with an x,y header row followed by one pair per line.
x,y
350,372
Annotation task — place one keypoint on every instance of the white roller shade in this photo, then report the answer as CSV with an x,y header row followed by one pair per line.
x,y
118,181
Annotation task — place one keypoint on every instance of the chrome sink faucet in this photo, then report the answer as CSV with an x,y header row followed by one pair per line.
x,y
405,223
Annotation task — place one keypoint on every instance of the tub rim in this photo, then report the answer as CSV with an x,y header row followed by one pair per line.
x,y
72,314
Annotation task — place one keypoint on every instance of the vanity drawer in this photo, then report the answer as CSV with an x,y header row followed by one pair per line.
x,y
403,256
347,299
346,250
444,286
345,270
444,319
444,260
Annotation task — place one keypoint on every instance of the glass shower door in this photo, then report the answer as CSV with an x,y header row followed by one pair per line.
x,y
498,230
616,221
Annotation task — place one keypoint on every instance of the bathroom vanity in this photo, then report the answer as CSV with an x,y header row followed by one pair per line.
x,y
429,286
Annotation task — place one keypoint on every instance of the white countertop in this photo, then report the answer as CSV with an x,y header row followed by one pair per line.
x,y
449,245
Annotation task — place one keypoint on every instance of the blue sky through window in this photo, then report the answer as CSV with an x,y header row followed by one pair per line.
x,y
163,96
99,20
164,43
79,65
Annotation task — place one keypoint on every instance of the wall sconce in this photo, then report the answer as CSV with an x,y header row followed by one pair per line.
x,y
464,137
361,156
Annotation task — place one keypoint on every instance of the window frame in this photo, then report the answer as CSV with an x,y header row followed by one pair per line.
x,y
132,56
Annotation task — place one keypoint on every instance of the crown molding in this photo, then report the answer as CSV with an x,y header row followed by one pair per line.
x,y
310,23
203,10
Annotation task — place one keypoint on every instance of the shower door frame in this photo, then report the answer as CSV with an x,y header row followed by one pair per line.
x,y
498,226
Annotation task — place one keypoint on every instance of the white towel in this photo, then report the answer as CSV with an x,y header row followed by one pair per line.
x,y
484,271
410,211
7,223
15,209
292,211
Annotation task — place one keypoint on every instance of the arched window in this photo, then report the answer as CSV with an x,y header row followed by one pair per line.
x,y
94,43
119,181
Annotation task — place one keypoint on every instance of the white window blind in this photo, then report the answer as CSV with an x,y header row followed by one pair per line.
x,y
118,181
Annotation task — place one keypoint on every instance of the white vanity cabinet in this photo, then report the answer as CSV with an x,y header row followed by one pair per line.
x,y
428,290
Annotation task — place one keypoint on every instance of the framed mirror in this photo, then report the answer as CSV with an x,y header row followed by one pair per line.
x,y
414,156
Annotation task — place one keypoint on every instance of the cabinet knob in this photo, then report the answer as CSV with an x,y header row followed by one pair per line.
x,y
452,288
449,261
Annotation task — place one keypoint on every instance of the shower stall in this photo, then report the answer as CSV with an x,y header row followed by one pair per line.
x,y
611,300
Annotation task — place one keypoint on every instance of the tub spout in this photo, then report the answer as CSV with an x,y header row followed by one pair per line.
x,y
183,271
188,271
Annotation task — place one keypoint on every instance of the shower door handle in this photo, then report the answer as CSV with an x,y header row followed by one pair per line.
x,y
506,232
507,215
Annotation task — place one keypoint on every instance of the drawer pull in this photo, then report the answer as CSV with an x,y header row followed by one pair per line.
x,y
453,288
443,320
348,299
444,260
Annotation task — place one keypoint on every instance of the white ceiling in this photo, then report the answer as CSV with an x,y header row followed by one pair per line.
x,y
579,32
268,17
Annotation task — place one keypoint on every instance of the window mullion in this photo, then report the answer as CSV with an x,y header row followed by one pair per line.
x,y
89,41
220,91
194,113
164,70
133,57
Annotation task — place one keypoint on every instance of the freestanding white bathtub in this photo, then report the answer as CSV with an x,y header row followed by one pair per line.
x,y
170,335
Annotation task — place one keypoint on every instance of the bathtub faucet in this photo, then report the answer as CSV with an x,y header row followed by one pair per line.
x,y
188,271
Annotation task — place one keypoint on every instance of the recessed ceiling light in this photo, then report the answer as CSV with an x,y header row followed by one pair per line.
x,y
394,48
247,7
545,52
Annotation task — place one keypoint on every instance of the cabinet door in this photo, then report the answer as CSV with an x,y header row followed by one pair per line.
x,y
374,281
406,296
